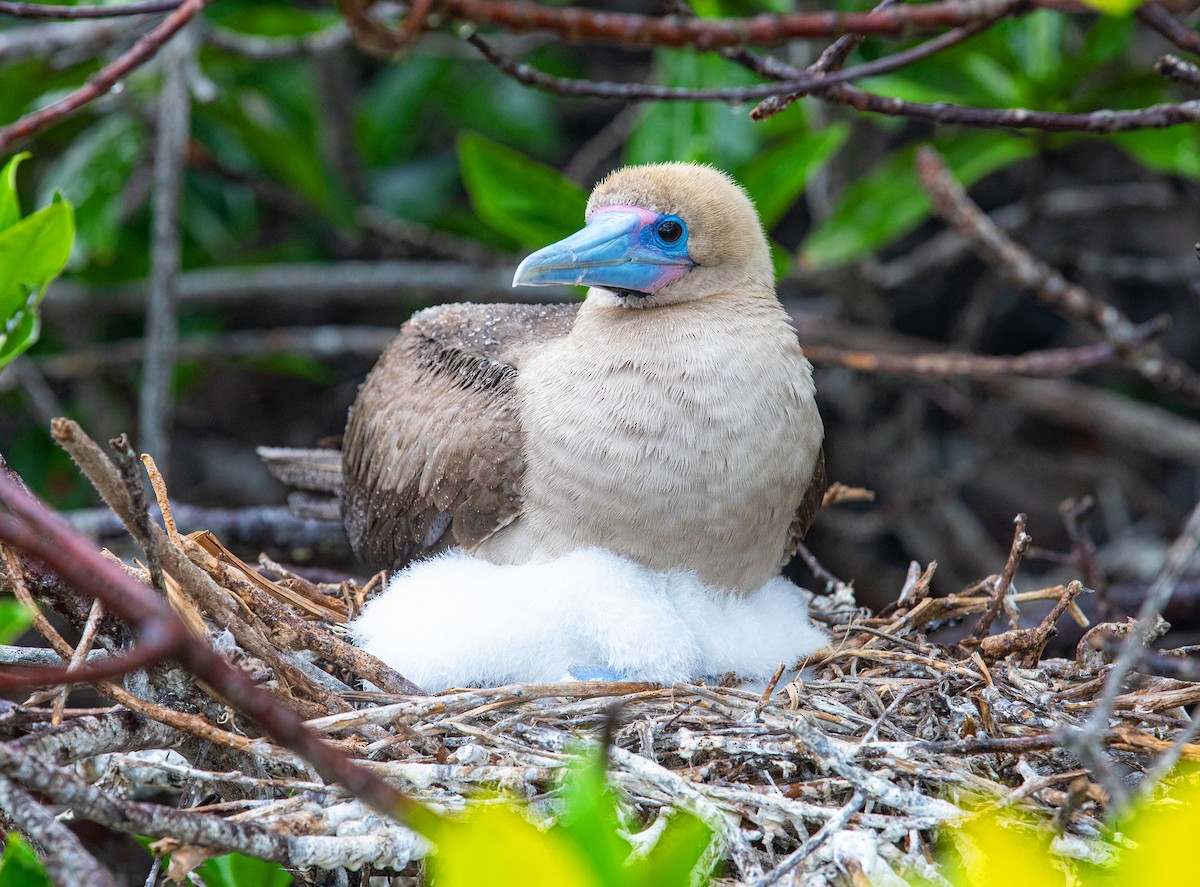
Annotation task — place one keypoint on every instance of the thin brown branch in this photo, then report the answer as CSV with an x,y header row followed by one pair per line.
x,y
1170,27
1029,643
631,30
1051,362
1086,739
104,80
1175,68
831,59
49,10
47,536
1020,542
785,91
1070,299
816,81
1160,116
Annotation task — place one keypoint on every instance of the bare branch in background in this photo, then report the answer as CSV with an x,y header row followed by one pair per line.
x,y
170,148
49,10
105,79
1069,299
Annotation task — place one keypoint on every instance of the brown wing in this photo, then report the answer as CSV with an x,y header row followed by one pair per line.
x,y
809,506
432,455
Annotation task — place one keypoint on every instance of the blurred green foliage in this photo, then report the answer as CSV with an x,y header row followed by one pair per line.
x,y
33,251
1001,847
493,843
20,866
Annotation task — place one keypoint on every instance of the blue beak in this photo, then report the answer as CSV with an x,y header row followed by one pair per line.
x,y
615,250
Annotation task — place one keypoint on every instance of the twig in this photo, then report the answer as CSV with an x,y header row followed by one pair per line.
x,y
173,127
788,89
831,59
831,581
47,536
105,79
1069,299
1051,362
67,862
1020,542
49,10
1085,739
86,639
1170,27
834,824
632,30
1175,68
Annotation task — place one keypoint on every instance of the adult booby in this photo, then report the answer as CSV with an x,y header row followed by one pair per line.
x,y
669,419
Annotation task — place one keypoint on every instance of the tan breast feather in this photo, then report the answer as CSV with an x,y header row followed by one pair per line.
x,y
432,455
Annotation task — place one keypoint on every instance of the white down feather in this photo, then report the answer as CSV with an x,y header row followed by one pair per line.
x,y
455,621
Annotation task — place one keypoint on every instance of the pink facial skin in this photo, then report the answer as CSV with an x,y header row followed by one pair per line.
x,y
668,273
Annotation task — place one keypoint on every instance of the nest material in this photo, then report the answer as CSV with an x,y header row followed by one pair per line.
x,y
846,772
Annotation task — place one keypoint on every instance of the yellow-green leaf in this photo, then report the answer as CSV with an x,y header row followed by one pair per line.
x,y
494,845
1114,7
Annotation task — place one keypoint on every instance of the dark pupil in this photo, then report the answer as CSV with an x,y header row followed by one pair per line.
x,y
670,231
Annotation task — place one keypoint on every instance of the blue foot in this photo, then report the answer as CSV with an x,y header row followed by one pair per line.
x,y
597,673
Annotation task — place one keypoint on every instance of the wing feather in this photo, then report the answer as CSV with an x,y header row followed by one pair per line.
x,y
432,455
809,506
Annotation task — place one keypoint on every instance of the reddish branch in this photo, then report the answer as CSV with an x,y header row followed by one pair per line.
x,y
105,79
631,30
38,532
46,10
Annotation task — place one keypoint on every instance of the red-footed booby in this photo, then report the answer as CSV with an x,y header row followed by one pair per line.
x,y
669,419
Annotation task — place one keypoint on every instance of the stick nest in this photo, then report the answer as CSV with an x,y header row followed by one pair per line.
x,y
846,771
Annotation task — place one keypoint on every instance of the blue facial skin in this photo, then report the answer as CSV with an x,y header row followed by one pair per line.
x,y
621,249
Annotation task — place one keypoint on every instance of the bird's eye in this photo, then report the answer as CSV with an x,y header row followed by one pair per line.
x,y
669,231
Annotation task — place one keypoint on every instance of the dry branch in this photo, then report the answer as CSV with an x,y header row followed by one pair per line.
x,y
103,80
1069,299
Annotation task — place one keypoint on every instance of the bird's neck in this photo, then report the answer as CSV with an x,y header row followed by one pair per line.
x,y
604,314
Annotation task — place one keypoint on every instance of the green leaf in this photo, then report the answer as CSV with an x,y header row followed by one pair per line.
x,y
527,201
589,818
236,870
20,866
19,334
778,176
493,844
1156,833
14,620
888,202
32,253
701,132
1174,151
680,850
10,208
1001,850
1115,7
